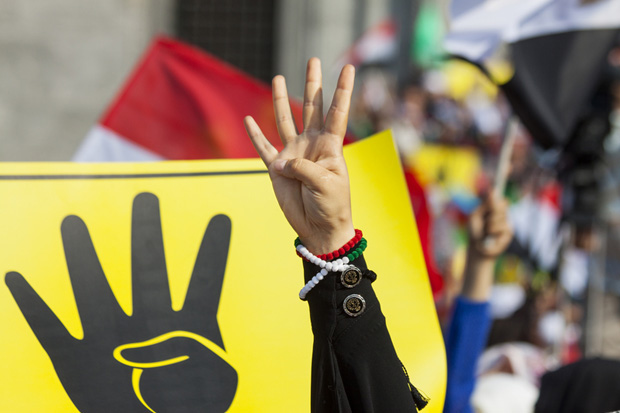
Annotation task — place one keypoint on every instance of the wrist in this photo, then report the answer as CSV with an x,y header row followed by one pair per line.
x,y
478,277
484,251
324,242
477,257
336,261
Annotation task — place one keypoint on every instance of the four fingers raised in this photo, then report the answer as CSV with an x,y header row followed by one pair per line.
x,y
335,122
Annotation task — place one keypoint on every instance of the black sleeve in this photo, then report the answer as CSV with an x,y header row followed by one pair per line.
x,y
354,365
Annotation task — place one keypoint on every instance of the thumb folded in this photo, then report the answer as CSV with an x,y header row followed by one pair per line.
x,y
308,172
166,349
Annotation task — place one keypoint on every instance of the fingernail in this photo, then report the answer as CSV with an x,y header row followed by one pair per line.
x,y
279,164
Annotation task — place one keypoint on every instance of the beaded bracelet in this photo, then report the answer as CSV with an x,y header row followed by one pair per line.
x,y
337,265
340,264
340,251
352,254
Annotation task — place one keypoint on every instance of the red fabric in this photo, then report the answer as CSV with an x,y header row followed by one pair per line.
x,y
182,103
551,194
424,222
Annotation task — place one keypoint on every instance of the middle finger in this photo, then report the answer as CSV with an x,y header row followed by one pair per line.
x,y
313,96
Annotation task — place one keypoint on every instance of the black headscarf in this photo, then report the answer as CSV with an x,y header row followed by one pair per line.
x,y
586,386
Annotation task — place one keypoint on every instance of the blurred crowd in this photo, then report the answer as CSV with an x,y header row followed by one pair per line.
x,y
449,125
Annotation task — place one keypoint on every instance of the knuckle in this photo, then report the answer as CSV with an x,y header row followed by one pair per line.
x,y
335,109
294,164
283,118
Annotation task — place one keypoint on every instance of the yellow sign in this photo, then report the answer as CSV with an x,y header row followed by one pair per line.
x,y
147,285
454,168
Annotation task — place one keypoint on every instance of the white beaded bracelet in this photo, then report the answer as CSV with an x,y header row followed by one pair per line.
x,y
339,264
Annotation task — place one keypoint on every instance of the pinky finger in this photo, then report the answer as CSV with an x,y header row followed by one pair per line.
x,y
263,147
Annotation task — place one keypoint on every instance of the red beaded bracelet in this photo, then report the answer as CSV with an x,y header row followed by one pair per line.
x,y
340,252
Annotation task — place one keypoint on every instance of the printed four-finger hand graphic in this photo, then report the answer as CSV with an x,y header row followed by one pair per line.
x,y
156,359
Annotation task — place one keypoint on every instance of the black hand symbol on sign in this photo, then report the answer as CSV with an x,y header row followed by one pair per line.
x,y
156,359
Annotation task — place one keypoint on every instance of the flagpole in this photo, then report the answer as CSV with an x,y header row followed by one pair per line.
x,y
503,164
505,154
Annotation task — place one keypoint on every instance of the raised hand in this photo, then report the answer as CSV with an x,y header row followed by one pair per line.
x,y
489,228
489,235
155,359
309,175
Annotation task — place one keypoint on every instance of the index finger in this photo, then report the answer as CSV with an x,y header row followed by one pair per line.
x,y
205,285
338,114
263,147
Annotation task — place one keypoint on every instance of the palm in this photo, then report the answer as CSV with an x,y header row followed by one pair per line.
x,y
309,175
301,202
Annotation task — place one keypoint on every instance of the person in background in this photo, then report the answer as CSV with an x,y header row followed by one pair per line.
x,y
354,364
588,385
489,235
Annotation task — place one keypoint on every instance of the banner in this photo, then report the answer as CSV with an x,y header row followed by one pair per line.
x,y
172,286
454,168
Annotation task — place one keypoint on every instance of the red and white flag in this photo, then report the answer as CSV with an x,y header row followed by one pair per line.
x,y
181,103
378,44
536,220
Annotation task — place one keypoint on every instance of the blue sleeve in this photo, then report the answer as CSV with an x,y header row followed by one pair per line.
x,y
465,341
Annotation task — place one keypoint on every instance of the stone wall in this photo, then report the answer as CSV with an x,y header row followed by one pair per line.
x,y
61,61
